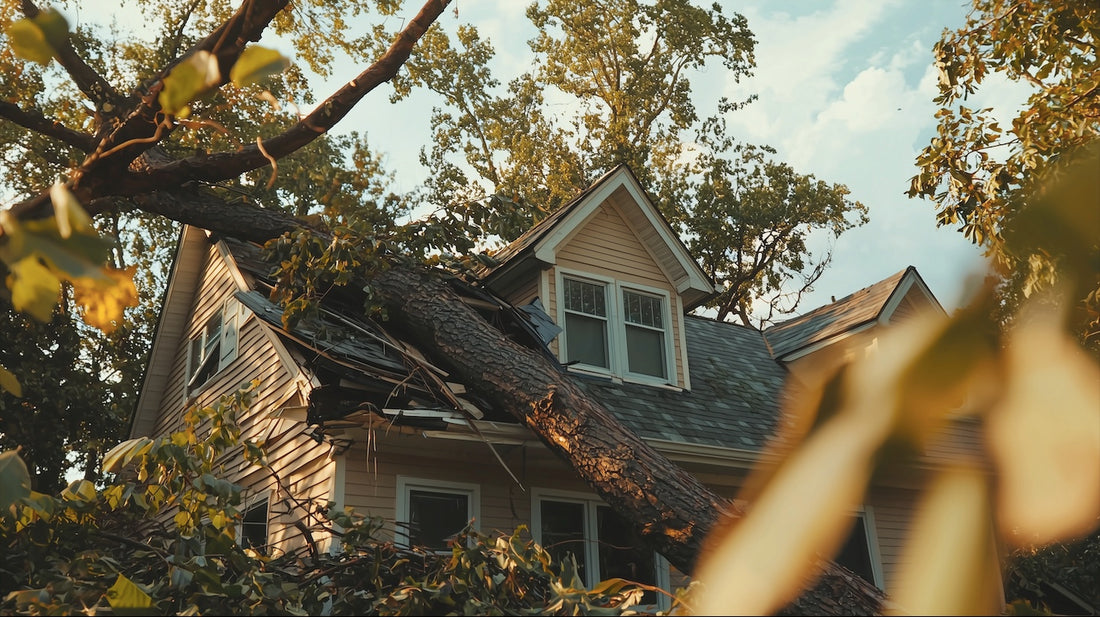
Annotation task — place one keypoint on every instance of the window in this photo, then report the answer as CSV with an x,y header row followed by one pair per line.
x,y
857,553
586,322
602,543
215,346
429,512
645,334
615,328
253,530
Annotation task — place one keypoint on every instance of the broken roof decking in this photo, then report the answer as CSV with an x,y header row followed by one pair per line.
x,y
848,314
732,404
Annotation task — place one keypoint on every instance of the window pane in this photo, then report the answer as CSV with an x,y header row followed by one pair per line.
x,y
254,528
645,351
622,553
855,554
563,531
585,297
642,309
586,340
434,517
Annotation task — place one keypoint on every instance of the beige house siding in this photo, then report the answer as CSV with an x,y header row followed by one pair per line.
x,y
303,465
606,247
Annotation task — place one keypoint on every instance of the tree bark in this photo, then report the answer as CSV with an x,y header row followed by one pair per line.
x,y
671,509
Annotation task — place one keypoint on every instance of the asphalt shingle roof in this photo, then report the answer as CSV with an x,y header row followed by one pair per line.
x,y
849,312
735,391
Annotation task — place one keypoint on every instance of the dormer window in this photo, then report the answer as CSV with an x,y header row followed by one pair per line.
x,y
615,327
586,322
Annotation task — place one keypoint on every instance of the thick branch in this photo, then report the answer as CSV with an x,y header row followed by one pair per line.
x,y
94,86
222,166
39,123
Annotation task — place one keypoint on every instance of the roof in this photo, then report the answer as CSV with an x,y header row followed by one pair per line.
x,y
537,248
734,400
860,308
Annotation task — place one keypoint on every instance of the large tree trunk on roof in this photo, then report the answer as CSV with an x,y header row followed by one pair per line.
x,y
670,508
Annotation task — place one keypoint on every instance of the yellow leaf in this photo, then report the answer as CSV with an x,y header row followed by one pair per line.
x,y
104,300
949,566
9,383
35,289
257,63
124,595
37,39
188,81
79,490
68,212
1045,435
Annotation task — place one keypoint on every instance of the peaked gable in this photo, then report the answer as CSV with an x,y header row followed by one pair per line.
x,y
887,300
539,247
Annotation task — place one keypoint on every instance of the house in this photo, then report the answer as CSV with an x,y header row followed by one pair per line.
x,y
354,415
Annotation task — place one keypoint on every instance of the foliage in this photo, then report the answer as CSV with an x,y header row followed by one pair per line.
x,y
978,172
161,539
610,84
1030,393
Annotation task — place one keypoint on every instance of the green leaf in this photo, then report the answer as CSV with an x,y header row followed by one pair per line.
x,y
15,480
38,39
257,64
188,81
127,598
9,383
34,288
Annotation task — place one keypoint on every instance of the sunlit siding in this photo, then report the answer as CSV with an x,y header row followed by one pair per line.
x,y
606,246
303,465
371,476
892,512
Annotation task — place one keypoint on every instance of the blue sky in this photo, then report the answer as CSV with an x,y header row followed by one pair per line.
x,y
845,93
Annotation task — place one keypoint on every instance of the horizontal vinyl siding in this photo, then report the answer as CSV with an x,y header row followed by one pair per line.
x,y
606,246
371,478
304,466
892,510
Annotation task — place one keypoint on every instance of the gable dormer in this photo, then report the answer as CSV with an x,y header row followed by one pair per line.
x,y
612,273
841,330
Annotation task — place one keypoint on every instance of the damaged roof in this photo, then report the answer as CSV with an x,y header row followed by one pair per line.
x,y
733,402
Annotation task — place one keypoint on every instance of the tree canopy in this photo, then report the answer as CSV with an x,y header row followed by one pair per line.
x,y
978,172
612,82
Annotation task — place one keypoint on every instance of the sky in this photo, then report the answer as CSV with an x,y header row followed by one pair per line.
x,y
845,93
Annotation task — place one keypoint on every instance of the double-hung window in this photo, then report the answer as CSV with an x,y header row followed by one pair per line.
x,y
616,328
431,512
215,346
603,544
586,327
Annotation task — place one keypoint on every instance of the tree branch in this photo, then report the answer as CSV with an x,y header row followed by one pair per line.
x,y
34,120
223,166
107,100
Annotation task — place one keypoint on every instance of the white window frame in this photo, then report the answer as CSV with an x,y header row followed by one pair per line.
x,y
618,358
405,484
592,557
232,315
871,538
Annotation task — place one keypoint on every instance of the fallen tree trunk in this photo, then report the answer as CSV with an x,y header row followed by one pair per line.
x,y
670,508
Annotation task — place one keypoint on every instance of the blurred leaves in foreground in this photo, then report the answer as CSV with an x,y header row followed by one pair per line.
x,y
1032,389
